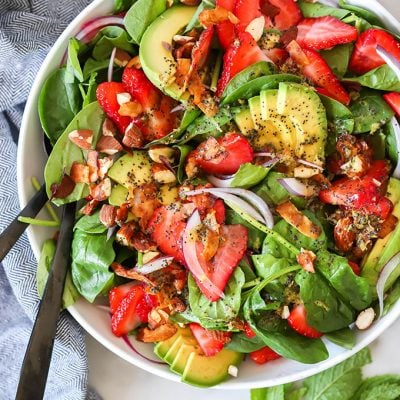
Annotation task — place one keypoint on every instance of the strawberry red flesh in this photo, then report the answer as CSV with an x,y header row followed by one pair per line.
x,y
298,321
264,355
393,99
226,30
246,11
289,13
324,33
211,342
117,294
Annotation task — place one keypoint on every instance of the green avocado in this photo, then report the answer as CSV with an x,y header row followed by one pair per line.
x,y
289,118
384,249
161,348
132,170
155,55
178,365
118,195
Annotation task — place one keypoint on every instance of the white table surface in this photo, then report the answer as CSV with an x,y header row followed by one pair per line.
x,y
114,378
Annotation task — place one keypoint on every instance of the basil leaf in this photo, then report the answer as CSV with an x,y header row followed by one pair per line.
x,y
92,254
339,382
338,58
379,387
70,294
326,312
242,344
141,15
344,337
217,314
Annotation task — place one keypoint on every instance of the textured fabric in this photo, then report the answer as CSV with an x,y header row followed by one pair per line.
x,y
27,31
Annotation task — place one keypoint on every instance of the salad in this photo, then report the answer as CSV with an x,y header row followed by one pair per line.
x,y
236,169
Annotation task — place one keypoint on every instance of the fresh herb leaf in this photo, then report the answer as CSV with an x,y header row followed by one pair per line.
x,y
379,387
272,393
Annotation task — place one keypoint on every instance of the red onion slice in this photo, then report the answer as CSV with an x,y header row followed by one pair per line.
x,y
110,232
310,164
387,270
111,65
90,29
396,129
154,265
190,254
271,162
390,60
297,188
135,350
218,182
228,196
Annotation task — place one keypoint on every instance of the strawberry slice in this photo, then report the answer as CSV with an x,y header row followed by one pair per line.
x,y
246,11
315,68
240,54
264,355
355,267
106,94
393,99
210,341
298,321
289,13
117,294
129,313
226,30
202,49
224,155
324,32
248,331
277,55
365,57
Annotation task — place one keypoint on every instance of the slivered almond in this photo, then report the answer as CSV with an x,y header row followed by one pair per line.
x,y
102,190
162,174
122,58
155,152
80,173
134,63
150,255
256,28
123,98
296,218
365,318
107,215
108,145
82,138
133,137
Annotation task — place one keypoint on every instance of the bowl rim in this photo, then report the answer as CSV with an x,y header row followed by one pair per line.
x,y
24,194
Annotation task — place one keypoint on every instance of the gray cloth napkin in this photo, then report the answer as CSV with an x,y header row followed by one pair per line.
x,y
28,28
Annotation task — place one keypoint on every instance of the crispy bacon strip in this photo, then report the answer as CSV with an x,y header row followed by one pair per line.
x,y
217,15
130,274
162,332
296,218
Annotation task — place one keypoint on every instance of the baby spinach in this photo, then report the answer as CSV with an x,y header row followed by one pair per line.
x,y
92,254
194,22
313,10
381,78
217,314
65,153
141,15
326,311
89,96
345,337
70,294
243,344
184,150
122,5
354,289
90,224
362,12
108,38
391,297
249,175
391,143
338,58
91,65
58,103
370,112
74,69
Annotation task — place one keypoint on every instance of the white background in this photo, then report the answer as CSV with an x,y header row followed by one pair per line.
x,y
114,378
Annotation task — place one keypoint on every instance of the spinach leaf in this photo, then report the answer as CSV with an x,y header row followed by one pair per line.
x,y
362,12
65,153
358,22
345,337
379,387
391,143
70,294
217,314
90,224
108,38
272,393
370,112
338,58
326,312
58,104
249,175
194,22
141,15
243,344
91,65
184,150
74,69
92,254
377,141
340,382
313,10
212,126
90,94
354,289
391,297
381,78
122,5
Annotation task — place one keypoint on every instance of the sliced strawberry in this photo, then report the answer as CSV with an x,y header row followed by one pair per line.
x,y
355,267
126,316
206,202
246,11
365,57
248,331
117,294
264,355
393,99
202,49
243,52
224,155
298,321
324,33
166,227
277,55
106,94
315,68
233,245
289,13
210,341
362,193
226,30
220,212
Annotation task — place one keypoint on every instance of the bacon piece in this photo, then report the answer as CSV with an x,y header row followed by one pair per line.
x,y
62,189
163,332
217,15
80,173
131,274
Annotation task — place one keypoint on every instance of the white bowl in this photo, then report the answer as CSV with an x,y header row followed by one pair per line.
x,y
96,321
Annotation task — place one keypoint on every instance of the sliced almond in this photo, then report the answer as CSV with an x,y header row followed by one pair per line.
x,y
130,109
365,318
108,145
123,98
256,28
122,58
102,190
109,128
80,173
134,63
285,312
162,174
107,215
305,172
82,138
133,137
150,255
306,260
156,153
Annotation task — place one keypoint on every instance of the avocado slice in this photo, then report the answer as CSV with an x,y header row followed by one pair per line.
x,y
168,194
157,61
178,365
132,170
244,122
209,371
118,195
162,348
384,248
